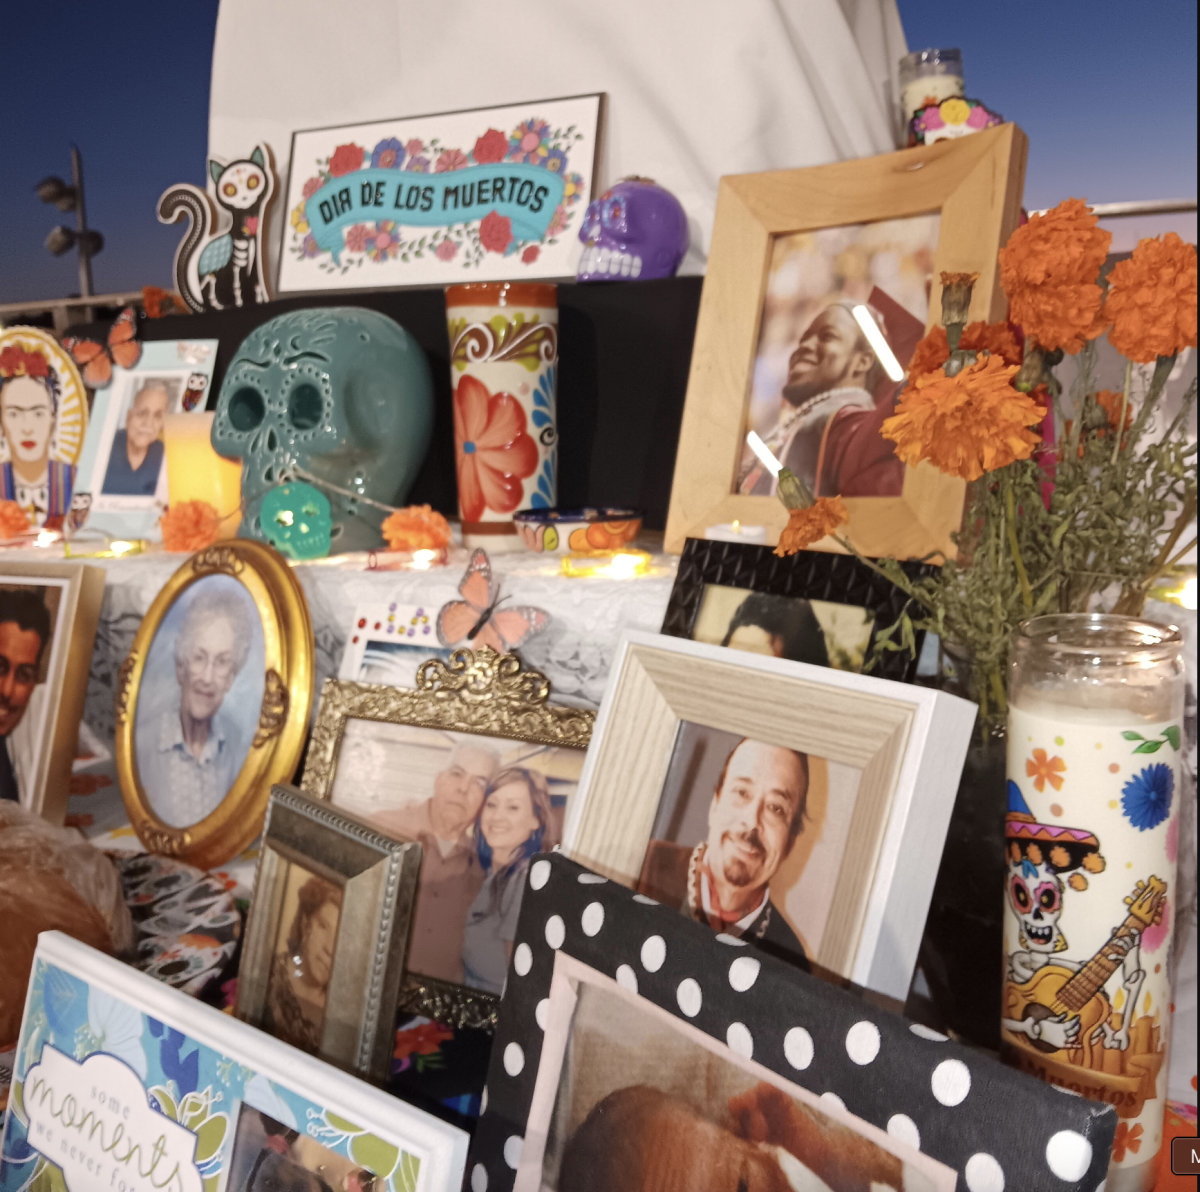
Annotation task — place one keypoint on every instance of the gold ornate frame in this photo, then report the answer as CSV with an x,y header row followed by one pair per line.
x,y
378,880
473,692
975,182
283,717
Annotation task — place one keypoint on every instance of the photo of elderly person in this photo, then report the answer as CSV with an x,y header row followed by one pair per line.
x,y
509,830
303,964
199,700
136,457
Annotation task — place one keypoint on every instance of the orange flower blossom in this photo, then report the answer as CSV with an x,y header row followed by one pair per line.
x,y
967,424
1126,1139
425,1039
417,527
811,524
190,526
13,520
1043,769
934,350
1152,300
1049,269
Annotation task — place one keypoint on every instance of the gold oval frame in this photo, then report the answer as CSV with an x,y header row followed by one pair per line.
x,y
283,717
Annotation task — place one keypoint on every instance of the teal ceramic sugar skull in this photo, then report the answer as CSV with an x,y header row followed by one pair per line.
x,y
296,520
337,397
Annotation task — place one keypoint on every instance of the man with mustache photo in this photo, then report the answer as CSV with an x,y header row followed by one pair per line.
x,y
757,812
24,635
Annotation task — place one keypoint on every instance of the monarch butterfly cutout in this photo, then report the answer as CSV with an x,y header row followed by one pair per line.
x,y
97,360
477,618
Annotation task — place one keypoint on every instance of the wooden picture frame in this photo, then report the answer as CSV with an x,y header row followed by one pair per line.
x,y
975,183
474,694
204,1098
851,1067
807,576
41,745
375,879
263,725
907,743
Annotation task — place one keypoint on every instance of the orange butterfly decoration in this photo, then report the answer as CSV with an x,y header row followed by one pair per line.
x,y
97,360
477,618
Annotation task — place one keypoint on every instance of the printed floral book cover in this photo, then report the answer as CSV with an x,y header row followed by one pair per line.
x,y
106,1095
482,195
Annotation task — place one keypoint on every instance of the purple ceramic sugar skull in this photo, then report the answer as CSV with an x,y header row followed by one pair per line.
x,y
635,229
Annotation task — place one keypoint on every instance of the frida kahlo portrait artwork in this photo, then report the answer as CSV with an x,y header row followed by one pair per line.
x,y
43,416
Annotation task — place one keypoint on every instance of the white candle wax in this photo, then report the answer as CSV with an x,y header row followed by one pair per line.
x,y
736,532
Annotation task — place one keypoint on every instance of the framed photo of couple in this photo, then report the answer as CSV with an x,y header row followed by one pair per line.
x,y
808,269
477,767
794,806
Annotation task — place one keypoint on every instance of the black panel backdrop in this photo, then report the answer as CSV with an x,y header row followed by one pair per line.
x,y
624,352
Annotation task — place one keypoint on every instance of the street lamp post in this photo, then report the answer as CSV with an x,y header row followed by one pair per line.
x,y
61,240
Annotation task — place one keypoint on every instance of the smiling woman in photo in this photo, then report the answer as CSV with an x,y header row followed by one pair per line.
x,y
509,829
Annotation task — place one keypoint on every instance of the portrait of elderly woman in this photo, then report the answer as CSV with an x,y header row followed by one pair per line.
x,y
199,700
303,964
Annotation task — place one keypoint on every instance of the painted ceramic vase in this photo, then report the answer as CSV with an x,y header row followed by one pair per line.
x,y
503,371
1094,747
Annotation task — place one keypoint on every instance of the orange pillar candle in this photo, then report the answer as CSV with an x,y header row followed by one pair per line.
x,y
195,472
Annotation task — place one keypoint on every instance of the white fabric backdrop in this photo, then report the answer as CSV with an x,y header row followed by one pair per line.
x,y
696,88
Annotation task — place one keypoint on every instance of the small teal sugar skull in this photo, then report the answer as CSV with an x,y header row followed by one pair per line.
x,y
296,520
337,397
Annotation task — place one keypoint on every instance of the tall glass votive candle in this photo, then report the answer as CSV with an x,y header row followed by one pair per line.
x,y
1095,729
929,76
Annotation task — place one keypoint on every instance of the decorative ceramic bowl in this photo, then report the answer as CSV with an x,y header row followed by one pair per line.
x,y
561,531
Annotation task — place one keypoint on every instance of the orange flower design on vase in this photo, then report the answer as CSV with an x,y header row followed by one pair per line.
x,y
1043,769
495,454
1126,1140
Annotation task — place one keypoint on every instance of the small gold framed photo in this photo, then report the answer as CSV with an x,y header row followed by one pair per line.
x,y
820,284
48,618
479,768
796,807
326,934
213,702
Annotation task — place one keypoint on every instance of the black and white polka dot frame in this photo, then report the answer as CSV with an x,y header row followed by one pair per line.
x,y
998,1128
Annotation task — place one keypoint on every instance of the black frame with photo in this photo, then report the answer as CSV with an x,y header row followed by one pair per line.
x,y
808,575
973,1114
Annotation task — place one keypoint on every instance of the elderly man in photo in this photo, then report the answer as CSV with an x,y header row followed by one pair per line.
x,y
756,813
137,451
193,755
828,428
450,872
24,635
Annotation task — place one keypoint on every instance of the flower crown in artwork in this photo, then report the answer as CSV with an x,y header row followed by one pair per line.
x,y
15,361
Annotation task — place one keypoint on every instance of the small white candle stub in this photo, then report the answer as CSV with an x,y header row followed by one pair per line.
x,y
736,532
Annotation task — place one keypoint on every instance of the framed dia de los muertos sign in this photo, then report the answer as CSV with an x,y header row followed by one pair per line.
x,y
43,417
481,195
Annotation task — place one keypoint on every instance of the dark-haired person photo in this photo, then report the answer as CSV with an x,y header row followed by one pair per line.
x,y
298,986
26,630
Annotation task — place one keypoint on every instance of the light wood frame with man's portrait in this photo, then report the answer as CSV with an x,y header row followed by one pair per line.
x,y
909,744
974,182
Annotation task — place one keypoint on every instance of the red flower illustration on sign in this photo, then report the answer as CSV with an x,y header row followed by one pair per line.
x,y
346,159
491,147
530,254
425,1039
495,231
494,452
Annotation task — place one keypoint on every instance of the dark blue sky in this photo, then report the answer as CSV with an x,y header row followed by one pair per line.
x,y
1106,91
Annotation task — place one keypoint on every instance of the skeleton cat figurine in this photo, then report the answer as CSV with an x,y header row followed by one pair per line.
x,y
215,270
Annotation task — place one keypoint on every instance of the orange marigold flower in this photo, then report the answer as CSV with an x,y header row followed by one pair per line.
x,y
418,527
1152,300
190,526
1043,769
934,350
13,520
968,424
1049,269
806,526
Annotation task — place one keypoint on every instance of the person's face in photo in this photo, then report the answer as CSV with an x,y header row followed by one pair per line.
x,y
458,790
207,670
750,818
27,418
19,652
754,639
144,421
830,354
508,819
316,952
